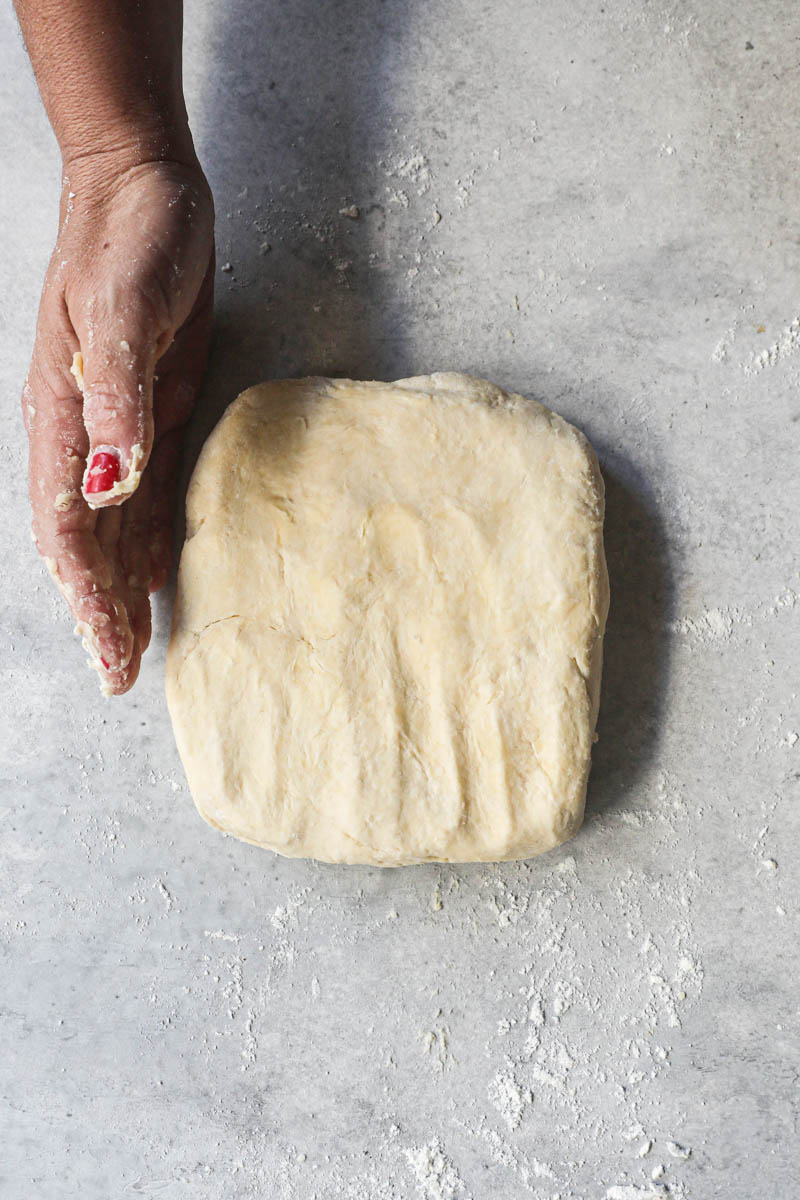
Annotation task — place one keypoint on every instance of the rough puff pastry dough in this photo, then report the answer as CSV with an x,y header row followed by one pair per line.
x,y
387,636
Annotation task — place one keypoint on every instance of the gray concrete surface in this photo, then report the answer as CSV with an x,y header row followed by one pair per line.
x,y
594,204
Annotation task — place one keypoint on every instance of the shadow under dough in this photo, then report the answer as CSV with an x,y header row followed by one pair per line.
x,y
636,649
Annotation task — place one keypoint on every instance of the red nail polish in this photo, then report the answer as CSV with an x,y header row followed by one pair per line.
x,y
103,472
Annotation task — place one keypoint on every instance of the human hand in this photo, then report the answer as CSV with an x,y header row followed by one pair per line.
x,y
129,288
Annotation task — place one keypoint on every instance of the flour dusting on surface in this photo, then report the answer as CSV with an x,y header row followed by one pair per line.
x,y
435,1175
786,345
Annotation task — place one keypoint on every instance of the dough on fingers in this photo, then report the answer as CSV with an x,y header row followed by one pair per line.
x,y
387,637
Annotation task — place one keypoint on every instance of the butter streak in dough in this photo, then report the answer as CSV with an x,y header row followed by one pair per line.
x,y
387,636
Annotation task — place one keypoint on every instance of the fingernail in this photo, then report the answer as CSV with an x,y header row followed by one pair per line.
x,y
103,471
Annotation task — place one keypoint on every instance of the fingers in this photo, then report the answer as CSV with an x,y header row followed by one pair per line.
x,y
135,565
102,561
81,569
123,535
114,680
63,526
119,353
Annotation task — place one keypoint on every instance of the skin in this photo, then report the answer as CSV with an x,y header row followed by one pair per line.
x,y
130,286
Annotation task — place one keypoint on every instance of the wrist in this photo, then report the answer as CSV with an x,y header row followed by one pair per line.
x,y
97,161
95,173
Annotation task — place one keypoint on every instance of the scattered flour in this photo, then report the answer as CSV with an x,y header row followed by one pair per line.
x,y
720,352
713,625
629,1191
165,893
508,1097
435,1175
414,168
786,345
286,914
436,1044
719,624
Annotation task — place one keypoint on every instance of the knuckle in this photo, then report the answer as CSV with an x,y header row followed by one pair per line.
x,y
108,402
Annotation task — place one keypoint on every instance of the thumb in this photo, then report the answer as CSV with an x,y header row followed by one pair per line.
x,y
115,374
